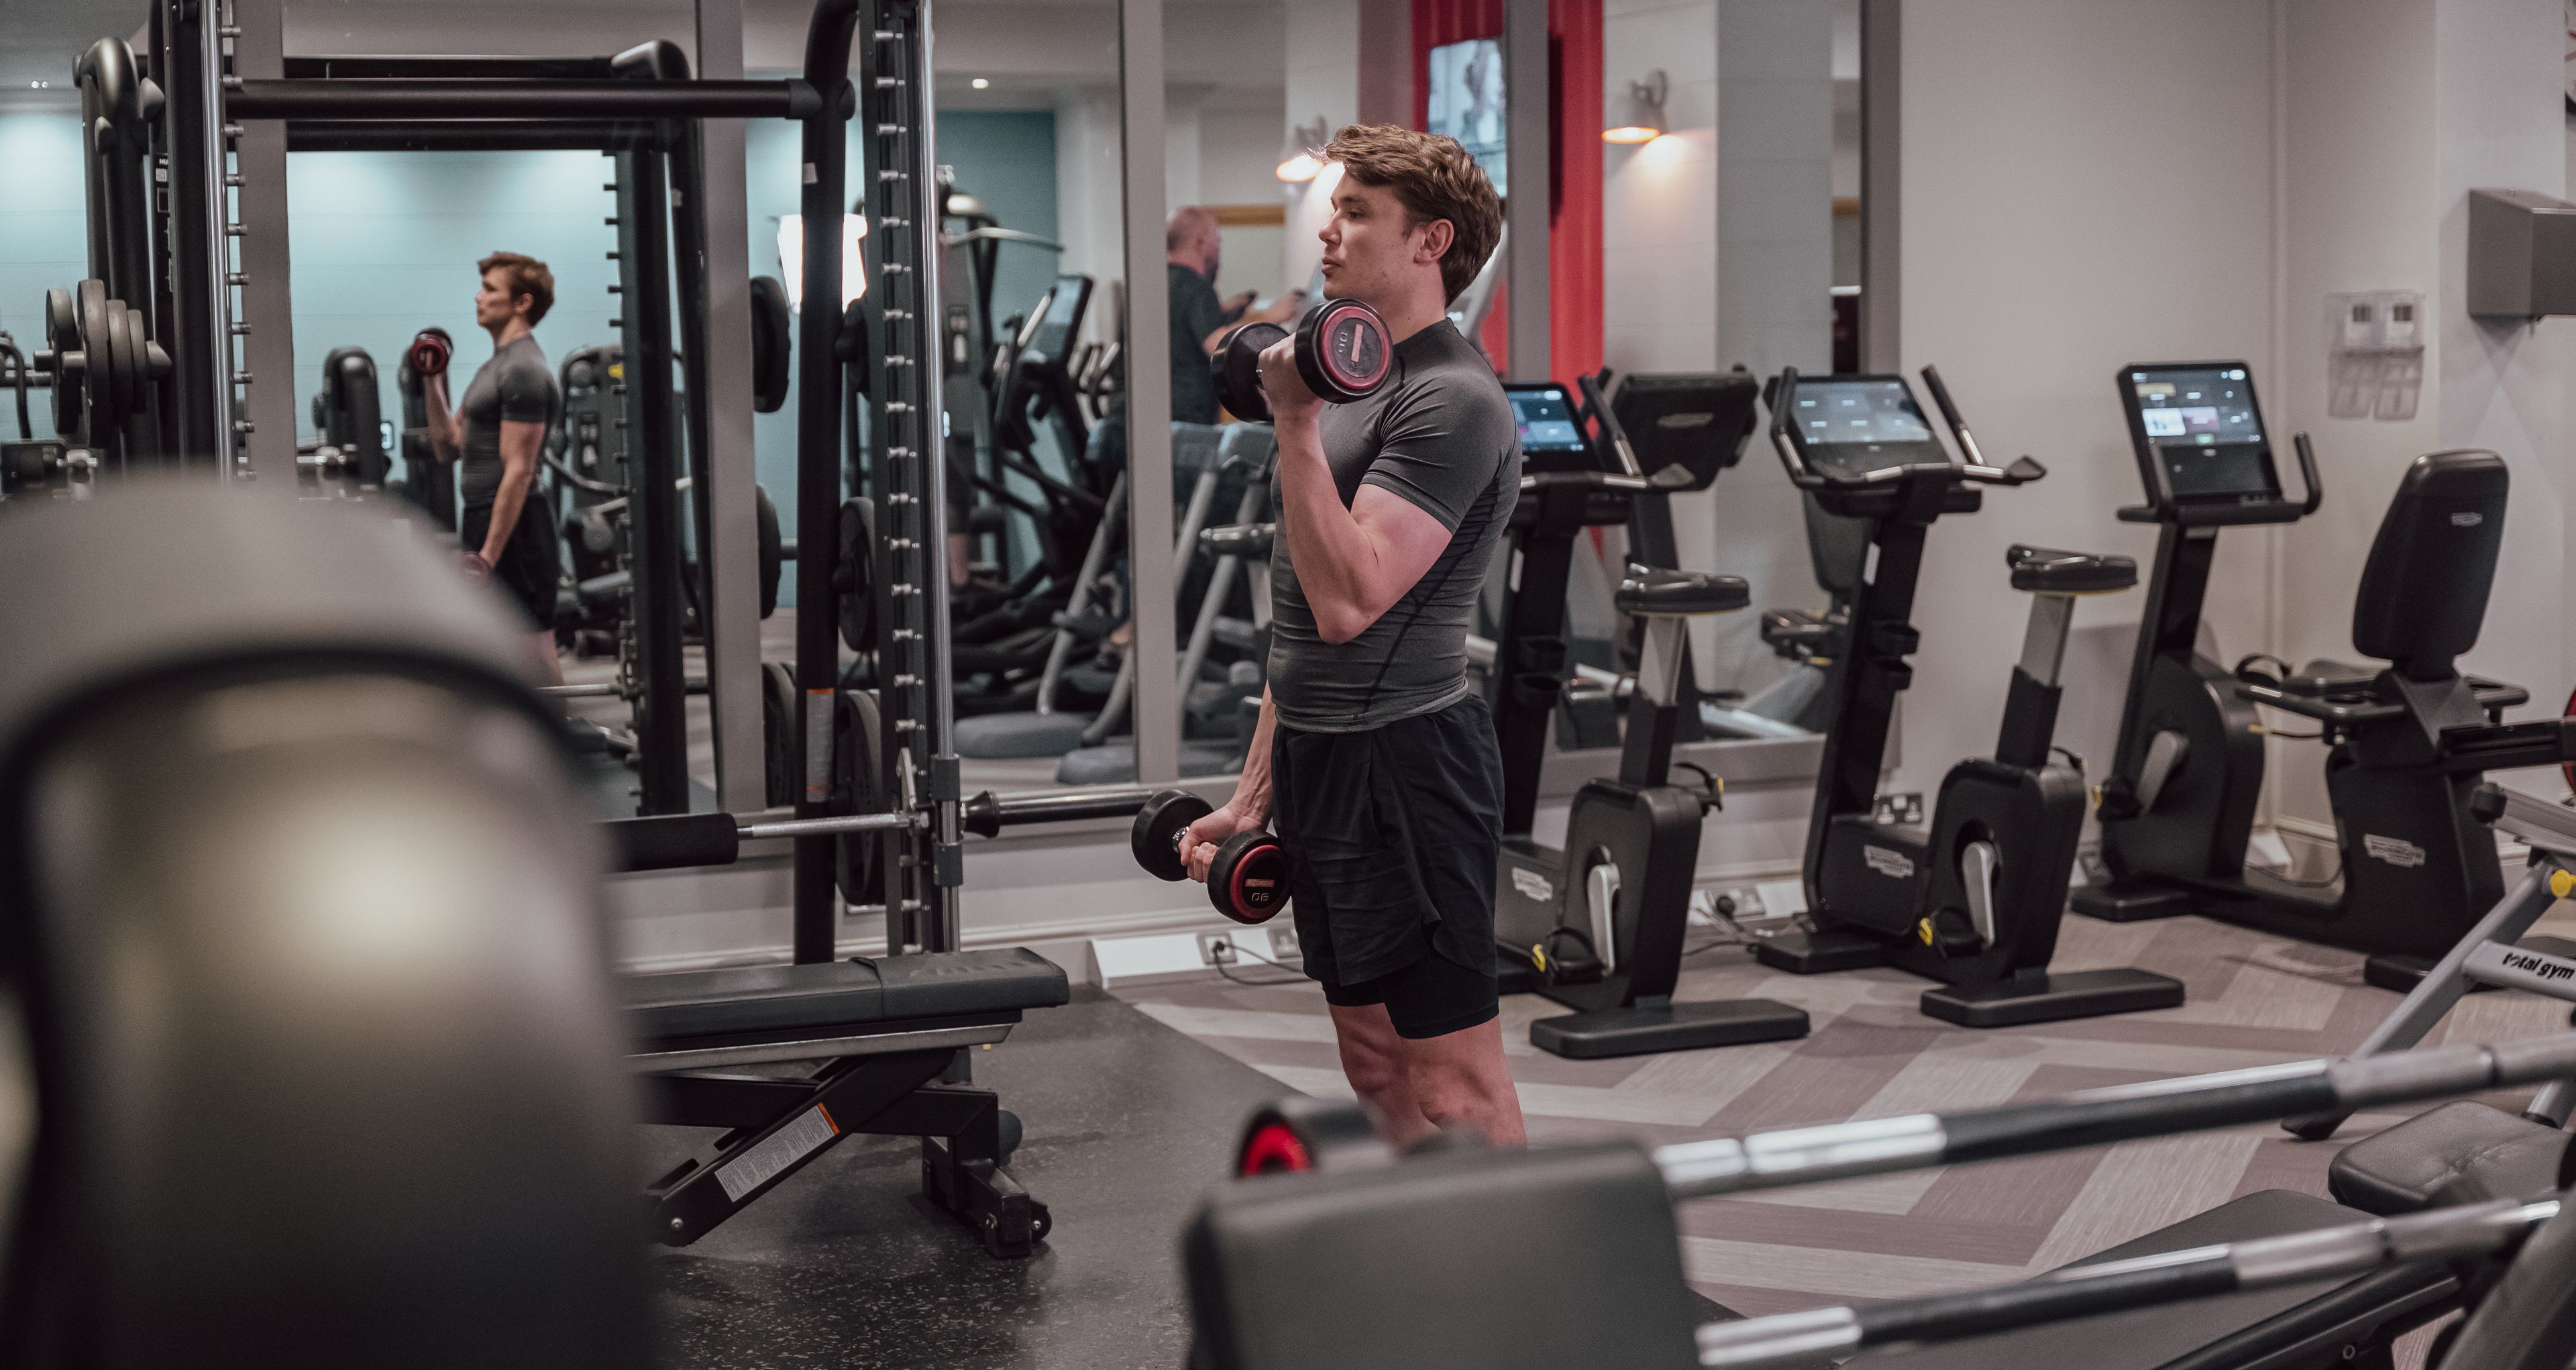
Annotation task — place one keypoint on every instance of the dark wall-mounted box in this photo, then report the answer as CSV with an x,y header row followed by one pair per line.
x,y
2522,255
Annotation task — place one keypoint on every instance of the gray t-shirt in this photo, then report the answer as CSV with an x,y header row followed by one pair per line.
x,y
1441,435
515,385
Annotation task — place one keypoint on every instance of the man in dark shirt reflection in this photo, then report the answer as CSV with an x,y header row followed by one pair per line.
x,y
1199,320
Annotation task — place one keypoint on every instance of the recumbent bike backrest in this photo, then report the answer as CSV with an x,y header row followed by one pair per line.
x,y
2424,590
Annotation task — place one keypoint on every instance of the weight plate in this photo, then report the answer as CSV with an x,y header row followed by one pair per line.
x,y
854,570
62,321
62,335
773,550
857,787
780,771
98,357
770,350
1343,350
126,385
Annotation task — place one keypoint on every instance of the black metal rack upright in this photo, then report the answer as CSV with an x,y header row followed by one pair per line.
x,y
643,107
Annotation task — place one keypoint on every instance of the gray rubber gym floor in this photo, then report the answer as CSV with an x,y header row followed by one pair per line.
x,y
847,1265
2254,1000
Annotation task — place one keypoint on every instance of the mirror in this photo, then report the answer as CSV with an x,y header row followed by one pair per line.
x,y
1040,606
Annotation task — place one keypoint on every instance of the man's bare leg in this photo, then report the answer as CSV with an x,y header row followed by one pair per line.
x,y
544,645
1460,1080
1376,1062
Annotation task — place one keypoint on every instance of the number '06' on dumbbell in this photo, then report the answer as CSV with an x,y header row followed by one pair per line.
x,y
1344,353
1249,880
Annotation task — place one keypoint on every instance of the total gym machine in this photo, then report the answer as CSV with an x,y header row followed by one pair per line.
x,y
1598,926
1975,901
2409,744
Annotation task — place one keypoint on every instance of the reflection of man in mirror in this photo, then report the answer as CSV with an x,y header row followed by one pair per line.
x,y
1374,756
1483,77
1193,246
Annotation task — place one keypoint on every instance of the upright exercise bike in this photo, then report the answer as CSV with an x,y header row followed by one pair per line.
x,y
1975,901
1598,925
2409,743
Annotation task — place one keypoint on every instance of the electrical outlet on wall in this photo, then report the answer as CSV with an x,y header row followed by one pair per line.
x,y
1216,948
1283,940
1899,808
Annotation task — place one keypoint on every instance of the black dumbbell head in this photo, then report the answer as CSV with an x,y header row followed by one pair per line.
x,y
1236,368
1249,880
1157,835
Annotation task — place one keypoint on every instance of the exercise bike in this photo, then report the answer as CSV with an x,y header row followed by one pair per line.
x,y
1598,925
2409,744
1975,900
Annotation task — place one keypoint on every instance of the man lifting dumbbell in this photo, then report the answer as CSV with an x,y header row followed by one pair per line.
x,y
1374,758
497,434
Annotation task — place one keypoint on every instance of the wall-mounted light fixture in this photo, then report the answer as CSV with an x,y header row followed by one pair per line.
x,y
854,263
981,83
1297,159
1639,115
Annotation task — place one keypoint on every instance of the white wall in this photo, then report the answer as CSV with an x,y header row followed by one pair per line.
x,y
2498,82
2035,264
1659,282
2391,110
1089,216
1773,289
1323,80
1238,158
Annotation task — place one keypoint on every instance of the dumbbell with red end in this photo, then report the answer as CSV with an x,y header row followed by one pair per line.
x,y
429,351
1248,882
1344,353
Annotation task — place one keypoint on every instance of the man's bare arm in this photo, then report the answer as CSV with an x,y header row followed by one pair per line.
x,y
1250,806
519,444
440,419
1352,563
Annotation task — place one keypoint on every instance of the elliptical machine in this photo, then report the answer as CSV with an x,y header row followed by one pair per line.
x,y
2409,744
1975,901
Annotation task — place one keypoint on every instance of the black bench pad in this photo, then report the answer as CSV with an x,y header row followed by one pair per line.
x,y
2462,1152
2229,1330
669,1010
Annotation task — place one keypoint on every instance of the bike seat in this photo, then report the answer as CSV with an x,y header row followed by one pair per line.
x,y
2048,571
1793,628
2324,677
1658,593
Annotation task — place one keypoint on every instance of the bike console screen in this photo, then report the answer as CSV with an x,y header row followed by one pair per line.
x,y
2199,433
1551,439
1855,424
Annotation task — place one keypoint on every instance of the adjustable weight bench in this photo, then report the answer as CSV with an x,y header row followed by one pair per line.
x,y
886,1030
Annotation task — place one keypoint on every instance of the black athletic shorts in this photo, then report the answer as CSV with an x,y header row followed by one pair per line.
x,y
1393,835
531,561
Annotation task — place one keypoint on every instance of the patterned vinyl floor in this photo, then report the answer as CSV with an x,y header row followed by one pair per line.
x,y
2254,1000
